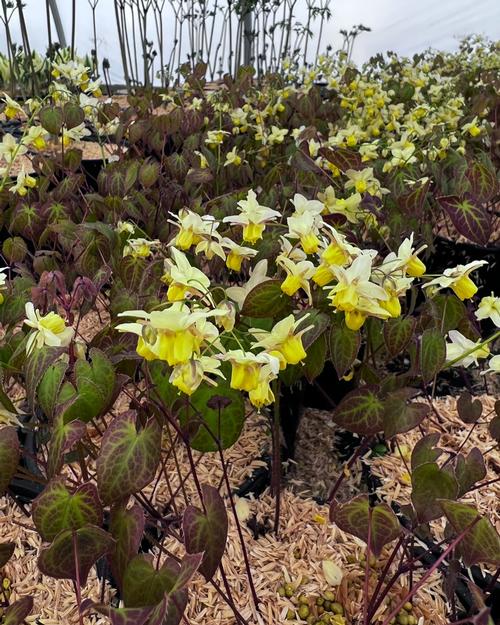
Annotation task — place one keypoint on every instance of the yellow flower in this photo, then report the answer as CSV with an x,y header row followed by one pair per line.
x,y
183,278
246,368
237,254
139,248
232,158
50,329
298,275
458,280
252,217
283,341
188,376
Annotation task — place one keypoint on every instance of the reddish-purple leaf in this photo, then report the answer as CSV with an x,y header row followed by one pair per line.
x,y
6,551
58,508
64,436
124,616
342,158
401,416
412,203
356,516
470,470
483,181
207,532
361,411
18,611
127,527
9,456
469,218
128,459
58,559
469,410
397,334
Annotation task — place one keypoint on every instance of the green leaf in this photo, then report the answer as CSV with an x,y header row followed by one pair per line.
x,y
470,218
125,616
213,412
344,347
412,203
50,385
314,362
469,470
127,527
57,508
207,531
35,367
95,384
6,551
469,410
64,436
432,354
73,115
482,542
401,416
319,322
429,484
356,517
425,450
128,459
9,456
397,334
266,300
51,118
449,311
361,411
144,585
16,613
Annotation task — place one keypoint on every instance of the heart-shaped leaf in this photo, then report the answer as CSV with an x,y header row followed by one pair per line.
x,y
344,347
482,542
57,508
266,300
361,411
314,362
429,485
483,181
356,517
397,334
51,118
50,385
425,450
128,459
6,551
469,470
401,416
9,456
214,413
342,158
469,217
127,527
35,367
432,354
94,390
88,543
469,410
64,436
16,613
207,531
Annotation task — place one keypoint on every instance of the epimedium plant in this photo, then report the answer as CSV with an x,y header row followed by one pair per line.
x,y
231,245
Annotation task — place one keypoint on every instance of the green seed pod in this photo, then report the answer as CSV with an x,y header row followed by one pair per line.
x,y
289,590
321,609
311,619
412,620
329,595
337,608
408,606
327,605
304,611
290,615
320,601
303,599
281,591
326,617
403,619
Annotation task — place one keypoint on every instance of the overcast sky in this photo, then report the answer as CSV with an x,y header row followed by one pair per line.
x,y
405,26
